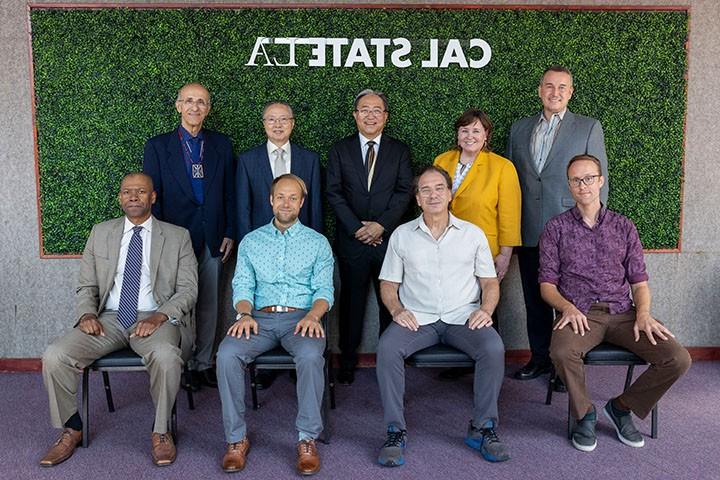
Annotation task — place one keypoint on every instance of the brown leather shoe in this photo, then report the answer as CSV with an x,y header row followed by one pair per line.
x,y
308,462
163,449
63,448
236,456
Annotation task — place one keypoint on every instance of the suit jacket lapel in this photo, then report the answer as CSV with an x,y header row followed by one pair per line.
x,y
264,168
296,162
157,240
479,160
358,160
527,144
210,163
177,164
113,240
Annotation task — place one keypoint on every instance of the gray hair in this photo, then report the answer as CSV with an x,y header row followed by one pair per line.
x,y
370,91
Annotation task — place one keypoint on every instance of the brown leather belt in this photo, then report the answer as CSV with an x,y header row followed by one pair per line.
x,y
278,309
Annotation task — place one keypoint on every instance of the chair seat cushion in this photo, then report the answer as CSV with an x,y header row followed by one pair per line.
x,y
119,358
609,354
276,356
439,355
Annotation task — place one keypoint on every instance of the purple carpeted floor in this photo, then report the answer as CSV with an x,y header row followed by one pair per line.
x,y
437,414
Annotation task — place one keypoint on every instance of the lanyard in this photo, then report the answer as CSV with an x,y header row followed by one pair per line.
x,y
197,170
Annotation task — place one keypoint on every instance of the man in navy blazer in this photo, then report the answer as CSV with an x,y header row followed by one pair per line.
x,y
258,167
541,147
193,172
369,186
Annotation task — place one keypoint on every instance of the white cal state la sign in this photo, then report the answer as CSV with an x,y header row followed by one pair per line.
x,y
370,53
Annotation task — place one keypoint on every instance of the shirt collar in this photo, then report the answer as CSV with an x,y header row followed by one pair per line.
x,y
147,225
292,231
364,140
186,135
452,222
271,147
543,119
578,216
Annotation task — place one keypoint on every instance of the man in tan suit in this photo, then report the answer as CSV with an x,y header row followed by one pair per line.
x,y
136,288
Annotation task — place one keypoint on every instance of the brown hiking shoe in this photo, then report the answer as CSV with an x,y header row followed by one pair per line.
x,y
236,456
163,449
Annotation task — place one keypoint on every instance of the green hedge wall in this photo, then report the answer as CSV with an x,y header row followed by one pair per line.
x,y
105,81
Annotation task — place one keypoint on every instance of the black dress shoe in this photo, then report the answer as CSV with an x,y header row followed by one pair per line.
x,y
191,381
265,378
208,377
346,376
532,370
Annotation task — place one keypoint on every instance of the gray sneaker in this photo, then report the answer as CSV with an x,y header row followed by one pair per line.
x,y
624,427
486,441
583,433
391,453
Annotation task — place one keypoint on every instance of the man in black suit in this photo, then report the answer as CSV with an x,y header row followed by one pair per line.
x,y
193,172
369,186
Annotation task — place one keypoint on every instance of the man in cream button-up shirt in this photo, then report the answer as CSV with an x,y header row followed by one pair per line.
x,y
439,284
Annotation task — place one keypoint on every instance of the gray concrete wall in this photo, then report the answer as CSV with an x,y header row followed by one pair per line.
x,y
36,294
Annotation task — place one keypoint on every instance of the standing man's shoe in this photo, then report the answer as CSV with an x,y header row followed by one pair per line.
x,y
63,448
532,370
236,456
486,441
624,426
163,449
559,385
308,461
208,377
346,376
583,433
265,378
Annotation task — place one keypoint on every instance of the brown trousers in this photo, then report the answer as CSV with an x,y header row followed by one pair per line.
x,y
668,360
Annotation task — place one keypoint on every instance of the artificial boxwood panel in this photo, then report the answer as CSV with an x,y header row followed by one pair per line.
x,y
106,80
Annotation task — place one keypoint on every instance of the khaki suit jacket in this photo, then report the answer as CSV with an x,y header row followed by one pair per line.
x,y
173,273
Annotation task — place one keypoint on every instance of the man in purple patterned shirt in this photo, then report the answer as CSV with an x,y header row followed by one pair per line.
x,y
591,260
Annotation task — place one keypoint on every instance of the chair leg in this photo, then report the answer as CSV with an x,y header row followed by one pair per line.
x,y
629,376
325,407
108,392
173,422
253,387
190,398
551,387
569,421
654,422
85,408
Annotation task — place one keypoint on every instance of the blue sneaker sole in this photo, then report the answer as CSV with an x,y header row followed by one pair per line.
x,y
477,446
401,461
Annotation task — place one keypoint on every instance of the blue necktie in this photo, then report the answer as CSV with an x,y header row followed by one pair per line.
x,y
127,308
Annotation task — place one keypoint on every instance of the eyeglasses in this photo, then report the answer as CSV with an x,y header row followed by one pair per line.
x,y
588,180
280,121
190,102
366,111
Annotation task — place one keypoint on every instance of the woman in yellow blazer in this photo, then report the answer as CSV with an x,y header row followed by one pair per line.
x,y
486,190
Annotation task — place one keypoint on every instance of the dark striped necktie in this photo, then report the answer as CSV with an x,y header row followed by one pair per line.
x,y
127,308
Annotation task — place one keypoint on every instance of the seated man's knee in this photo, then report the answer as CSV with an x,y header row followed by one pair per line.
x,y
228,356
387,352
166,357
680,361
53,357
310,357
563,352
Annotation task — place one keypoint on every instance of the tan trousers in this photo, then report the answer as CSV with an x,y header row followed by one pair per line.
x,y
68,355
668,360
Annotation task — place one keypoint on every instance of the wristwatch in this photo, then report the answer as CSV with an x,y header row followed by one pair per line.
x,y
240,315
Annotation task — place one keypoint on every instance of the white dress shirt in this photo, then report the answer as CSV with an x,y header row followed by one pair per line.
x,y
271,148
146,301
438,278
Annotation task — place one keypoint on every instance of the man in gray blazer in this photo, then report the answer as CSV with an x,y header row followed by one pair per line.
x,y
136,288
541,146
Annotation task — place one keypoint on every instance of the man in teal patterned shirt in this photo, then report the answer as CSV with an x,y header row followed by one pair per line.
x,y
283,285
